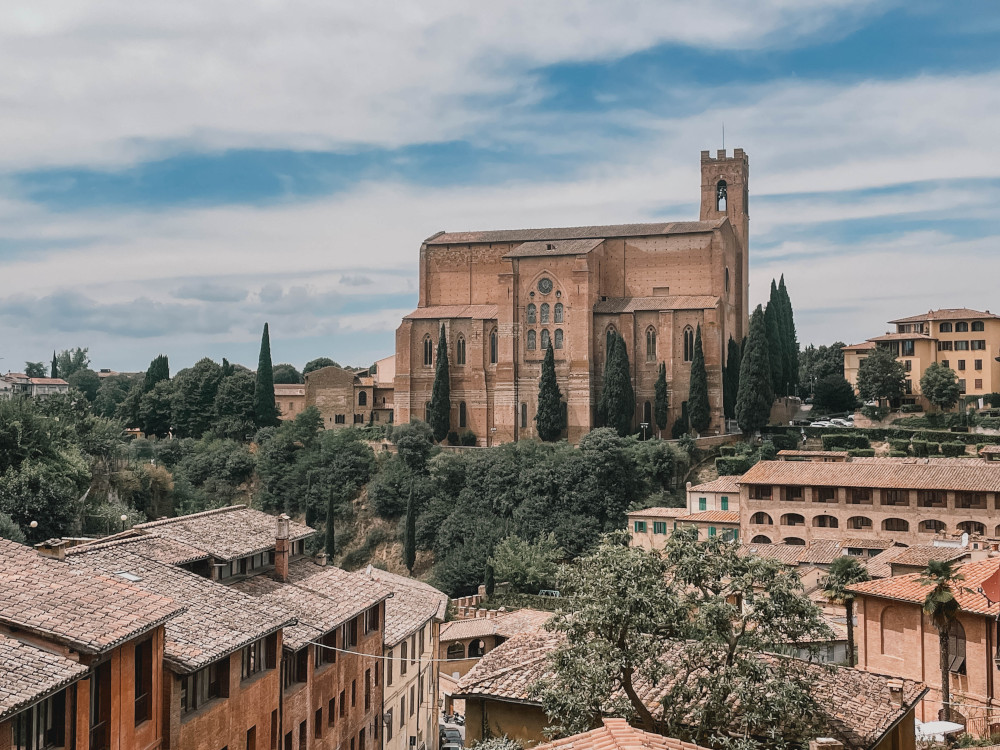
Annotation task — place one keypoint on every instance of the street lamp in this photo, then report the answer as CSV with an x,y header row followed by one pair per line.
x,y
124,518
644,426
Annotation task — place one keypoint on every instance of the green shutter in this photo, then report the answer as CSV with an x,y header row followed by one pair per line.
x,y
640,526
711,531
701,503
725,503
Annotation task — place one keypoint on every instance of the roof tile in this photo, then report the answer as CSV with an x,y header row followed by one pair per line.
x,y
574,233
28,673
884,474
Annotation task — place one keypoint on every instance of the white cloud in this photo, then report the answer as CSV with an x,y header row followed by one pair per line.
x,y
108,82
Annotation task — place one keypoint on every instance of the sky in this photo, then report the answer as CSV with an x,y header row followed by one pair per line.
x,y
174,174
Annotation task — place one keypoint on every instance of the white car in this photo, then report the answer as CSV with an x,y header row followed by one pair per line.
x,y
842,423
822,423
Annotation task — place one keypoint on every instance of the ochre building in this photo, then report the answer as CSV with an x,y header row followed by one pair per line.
x,y
504,296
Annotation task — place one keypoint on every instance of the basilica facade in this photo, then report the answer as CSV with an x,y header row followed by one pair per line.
x,y
504,296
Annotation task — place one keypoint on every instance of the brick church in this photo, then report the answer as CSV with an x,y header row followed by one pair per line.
x,y
504,296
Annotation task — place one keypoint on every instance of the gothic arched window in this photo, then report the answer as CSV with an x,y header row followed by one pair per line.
x,y
956,647
428,351
720,195
559,312
727,279
461,414
493,346
545,312
546,340
532,339
688,344
460,351
531,313
362,399
647,413
559,338
651,344
961,327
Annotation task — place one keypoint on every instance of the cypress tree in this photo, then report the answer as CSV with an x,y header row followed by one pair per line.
x,y
731,378
681,423
331,546
265,410
661,405
159,369
753,402
441,392
617,402
491,580
698,406
791,344
775,350
55,365
549,416
410,540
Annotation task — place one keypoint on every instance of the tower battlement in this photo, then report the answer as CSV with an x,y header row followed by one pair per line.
x,y
738,155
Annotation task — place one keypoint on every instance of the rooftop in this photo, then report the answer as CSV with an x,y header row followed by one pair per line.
x,y
218,619
907,588
617,305
617,734
413,603
321,597
225,533
157,548
814,454
725,483
901,337
87,610
503,624
658,513
574,233
713,516
883,474
28,674
815,552
435,312
863,346
947,313
554,248
857,706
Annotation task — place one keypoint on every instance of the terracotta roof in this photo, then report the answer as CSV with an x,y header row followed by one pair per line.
x,y
618,734
901,337
712,516
857,706
28,674
83,608
658,513
815,552
815,454
615,305
863,346
47,381
218,619
981,477
322,598
574,233
225,533
413,603
908,588
921,555
444,312
946,313
789,554
821,552
554,248
725,483
989,450
866,543
289,389
503,624
477,627
878,566
154,547
522,621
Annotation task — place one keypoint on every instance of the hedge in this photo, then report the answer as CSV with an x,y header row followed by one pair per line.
x,y
842,441
933,449
727,450
900,445
861,453
953,449
888,433
898,454
729,465
919,447
785,442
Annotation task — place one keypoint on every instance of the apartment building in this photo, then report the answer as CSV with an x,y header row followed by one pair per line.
x,y
906,500
413,618
967,341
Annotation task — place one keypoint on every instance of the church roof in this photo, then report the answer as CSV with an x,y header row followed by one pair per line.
x,y
554,247
616,305
946,313
575,233
445,312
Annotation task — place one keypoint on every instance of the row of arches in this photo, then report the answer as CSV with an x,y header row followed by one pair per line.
x,y
687,335
460,349
861,523
457,650
556,339
534,314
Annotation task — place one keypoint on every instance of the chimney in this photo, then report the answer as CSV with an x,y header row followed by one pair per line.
x,y
896,691
825,743
54,548
281,550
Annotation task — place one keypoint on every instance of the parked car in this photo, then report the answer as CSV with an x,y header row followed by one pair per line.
x,y
822,423
842,423
451,735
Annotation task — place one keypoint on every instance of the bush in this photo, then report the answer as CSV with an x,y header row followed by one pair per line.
x,y
898,454
767,451
845,441
727,450
919,447
953,450
784,441
468,438
729,465
910,408
899,445
453,438
861,452
875,413
933,449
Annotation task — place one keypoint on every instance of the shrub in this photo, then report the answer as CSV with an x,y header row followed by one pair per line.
x,y
730,465
844,441
910,408
899,445
784,441
727,450
767,451
898,454
453,438
861,452
468,438
933,449
875,413
953,449
919,447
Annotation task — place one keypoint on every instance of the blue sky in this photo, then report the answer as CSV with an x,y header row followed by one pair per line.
x,y
173,174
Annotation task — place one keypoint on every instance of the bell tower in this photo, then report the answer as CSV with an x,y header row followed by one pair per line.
x,y
725,192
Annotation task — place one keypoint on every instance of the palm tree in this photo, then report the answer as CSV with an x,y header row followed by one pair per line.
x,y
941,605
843,572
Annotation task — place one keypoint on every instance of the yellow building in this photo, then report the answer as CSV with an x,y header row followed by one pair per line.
x,y
967,341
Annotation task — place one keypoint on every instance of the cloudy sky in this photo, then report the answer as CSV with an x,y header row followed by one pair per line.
x,y
175,173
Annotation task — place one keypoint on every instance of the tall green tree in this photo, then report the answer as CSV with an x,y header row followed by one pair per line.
x,y
87,382
817,362
698,406
54,372
527,566
331,545
549,416
193,397
70,360
731,378
843,572
159,369
286,374
790,343
755,396
881,376
775,344
264,407
410,538
661,406
34,369
942,607
617,401
939,384
440,411
318,363
833,394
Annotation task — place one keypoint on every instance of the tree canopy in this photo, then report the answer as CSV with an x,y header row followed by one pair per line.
x,y
527,565
318,363
286,374
939,384
699,410
617,401
753,402
440,409
549,418
881,375
817,362
833,394
34,369
69,361
731,378
265,409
